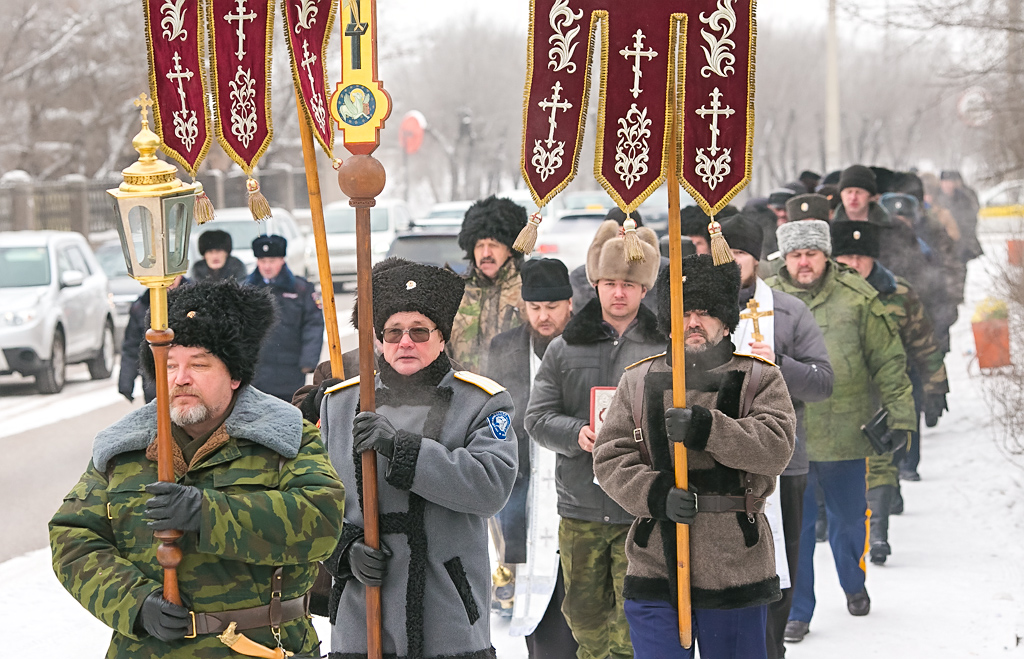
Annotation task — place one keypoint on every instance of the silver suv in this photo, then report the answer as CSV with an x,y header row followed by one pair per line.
x,y
54,308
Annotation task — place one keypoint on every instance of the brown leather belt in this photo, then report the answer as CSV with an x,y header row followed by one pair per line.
x,y
712,503
268,615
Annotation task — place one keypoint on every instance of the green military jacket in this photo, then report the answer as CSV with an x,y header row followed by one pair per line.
x,y
270,498
918,336
489,307
867,357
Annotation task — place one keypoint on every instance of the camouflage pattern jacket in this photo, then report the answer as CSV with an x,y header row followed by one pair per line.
x,y
270,498
867,356
489,307
924,360
732,558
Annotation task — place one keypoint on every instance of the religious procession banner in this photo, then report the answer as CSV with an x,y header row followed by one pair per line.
x,y
308,25
359,103
177,84
240,51
705,46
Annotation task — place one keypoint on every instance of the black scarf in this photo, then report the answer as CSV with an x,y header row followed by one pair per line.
x,y
429,376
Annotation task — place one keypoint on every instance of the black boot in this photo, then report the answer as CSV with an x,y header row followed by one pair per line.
x,y
897,502
879,502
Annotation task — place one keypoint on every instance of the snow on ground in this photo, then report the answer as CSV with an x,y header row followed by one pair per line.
x,y
952,588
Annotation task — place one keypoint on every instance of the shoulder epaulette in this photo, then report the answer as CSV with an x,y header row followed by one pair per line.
x,y
645,359
757,357
343,385
487,384
774,256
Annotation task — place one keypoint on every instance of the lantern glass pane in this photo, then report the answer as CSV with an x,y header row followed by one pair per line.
x,y
140,220
179,222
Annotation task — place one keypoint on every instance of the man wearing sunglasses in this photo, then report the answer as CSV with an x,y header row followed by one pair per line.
x,y
447,458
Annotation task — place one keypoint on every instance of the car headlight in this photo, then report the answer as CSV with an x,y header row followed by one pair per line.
x,y
15,318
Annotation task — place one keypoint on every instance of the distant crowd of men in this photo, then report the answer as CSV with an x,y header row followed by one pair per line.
x,y
809,360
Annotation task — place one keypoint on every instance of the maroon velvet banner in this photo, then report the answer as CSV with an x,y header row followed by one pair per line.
x,y
308,26
240,50
707,44
174,38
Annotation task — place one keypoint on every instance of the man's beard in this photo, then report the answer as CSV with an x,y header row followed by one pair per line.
x,y
697,349
198,413
540,341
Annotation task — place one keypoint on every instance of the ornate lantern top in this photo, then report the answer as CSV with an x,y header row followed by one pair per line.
x,y
148,176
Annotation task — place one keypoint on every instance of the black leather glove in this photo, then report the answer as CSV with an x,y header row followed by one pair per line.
x,y
162,619
174,506
934,406
895,439
681,506
310,405
677,422
371,431
368,565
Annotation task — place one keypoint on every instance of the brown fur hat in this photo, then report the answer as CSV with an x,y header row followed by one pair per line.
x,y
606,258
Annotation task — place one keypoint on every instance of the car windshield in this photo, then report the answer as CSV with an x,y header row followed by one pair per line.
x,y
343,220
433,250
112,261
447,213
581,200
24,266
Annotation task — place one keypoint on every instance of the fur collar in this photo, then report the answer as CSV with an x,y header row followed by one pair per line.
x,y
284,280
585,327
257,417
882,279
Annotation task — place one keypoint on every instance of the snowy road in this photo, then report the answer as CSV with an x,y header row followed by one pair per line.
x,y
953,587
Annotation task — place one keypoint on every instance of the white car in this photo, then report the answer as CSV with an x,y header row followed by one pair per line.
x,y
243,229
387,218
54,308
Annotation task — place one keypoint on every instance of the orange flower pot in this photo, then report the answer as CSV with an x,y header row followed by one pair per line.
x,y
1015,252
992,343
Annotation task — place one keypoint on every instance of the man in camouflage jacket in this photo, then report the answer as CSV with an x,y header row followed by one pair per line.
x,y
924,367
254,494
492,302
867,356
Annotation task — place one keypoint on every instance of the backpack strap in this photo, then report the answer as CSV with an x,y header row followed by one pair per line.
x,y
752,387
638,413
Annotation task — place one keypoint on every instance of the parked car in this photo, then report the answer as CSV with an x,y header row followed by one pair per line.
x,y
1004,200
243,229
450,213
54,308
568,236
123,289
438,247
387,218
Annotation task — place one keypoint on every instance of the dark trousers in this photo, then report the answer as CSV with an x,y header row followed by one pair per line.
x,y
843,483
720,633
791,495
553,639
513,523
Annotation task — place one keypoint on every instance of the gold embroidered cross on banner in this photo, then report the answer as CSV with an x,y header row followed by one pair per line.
x,y
753,314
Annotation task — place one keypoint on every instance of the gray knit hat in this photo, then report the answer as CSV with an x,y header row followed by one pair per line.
x,y
806,234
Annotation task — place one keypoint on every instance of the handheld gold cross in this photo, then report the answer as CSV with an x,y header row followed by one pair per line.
x,y
143,102
753,314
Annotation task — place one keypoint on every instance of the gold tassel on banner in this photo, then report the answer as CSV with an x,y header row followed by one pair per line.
x,y
203,208
720,251
258,204
631,242
527,239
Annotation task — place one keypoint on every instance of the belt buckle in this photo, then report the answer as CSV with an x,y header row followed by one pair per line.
x,y
638,435
192,616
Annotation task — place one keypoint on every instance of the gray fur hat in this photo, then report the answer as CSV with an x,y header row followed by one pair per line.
x,y
805,234
606,257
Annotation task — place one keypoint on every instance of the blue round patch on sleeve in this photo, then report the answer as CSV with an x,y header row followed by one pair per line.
x,y
500,422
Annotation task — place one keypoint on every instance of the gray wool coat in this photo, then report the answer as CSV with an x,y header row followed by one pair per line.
x,y
454,465
732,560
585,355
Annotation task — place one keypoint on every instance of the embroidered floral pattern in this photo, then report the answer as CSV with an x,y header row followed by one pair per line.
x,y
719,49
173,21
561,17
632,151
244,121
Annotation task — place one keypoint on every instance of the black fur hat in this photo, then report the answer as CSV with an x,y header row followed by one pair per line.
x,y
694,222
500,219
859,238
378,267
743,234
707,287
229,320
214,239
400,285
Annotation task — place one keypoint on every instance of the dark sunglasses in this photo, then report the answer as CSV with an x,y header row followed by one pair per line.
x,y
417,334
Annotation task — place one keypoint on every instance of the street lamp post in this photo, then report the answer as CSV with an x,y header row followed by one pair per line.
x,y
155,210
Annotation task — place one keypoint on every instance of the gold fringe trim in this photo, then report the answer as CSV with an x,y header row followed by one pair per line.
x,y
527,239
328,146
258,204
631,242
720,251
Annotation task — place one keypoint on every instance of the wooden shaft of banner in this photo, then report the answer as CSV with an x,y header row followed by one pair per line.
x,y
678,347
323,256
362,178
